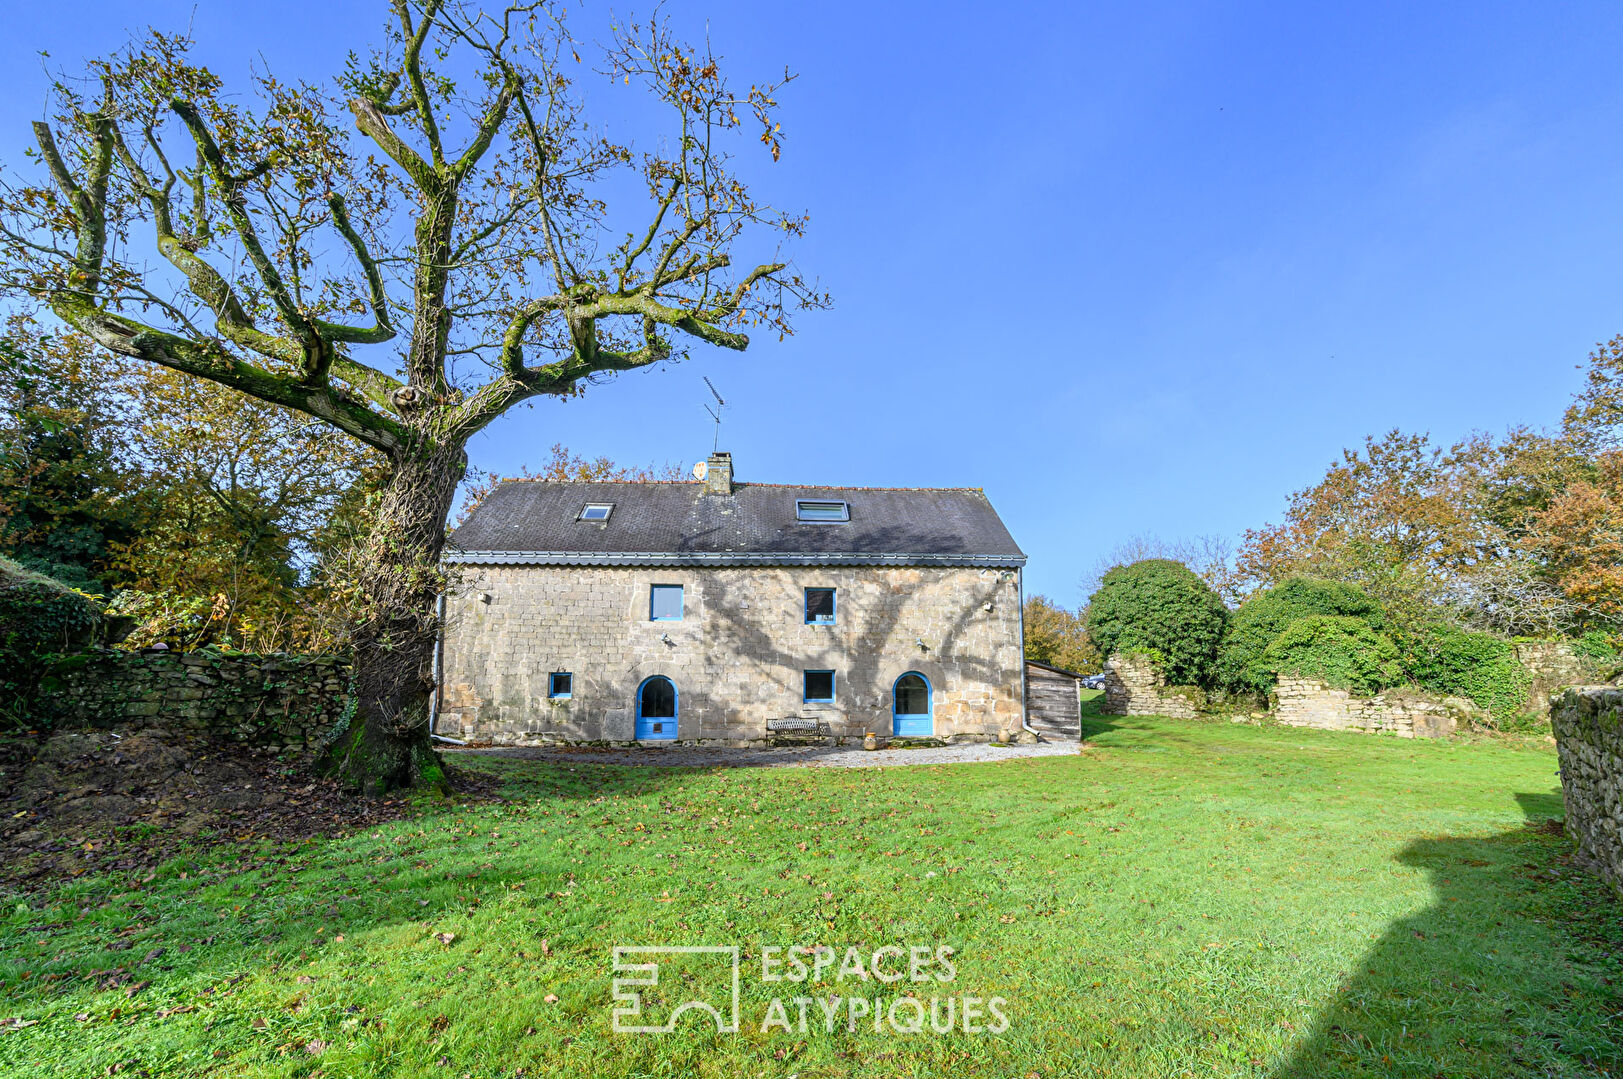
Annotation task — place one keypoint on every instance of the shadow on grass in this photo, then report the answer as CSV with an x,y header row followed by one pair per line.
x,y
1506,973
1096,724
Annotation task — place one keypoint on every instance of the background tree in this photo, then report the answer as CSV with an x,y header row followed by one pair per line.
x,y
1059,637
1210,557
71,487
466,220
561,465
246,490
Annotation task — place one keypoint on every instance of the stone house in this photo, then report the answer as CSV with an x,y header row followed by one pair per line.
x,y
716,611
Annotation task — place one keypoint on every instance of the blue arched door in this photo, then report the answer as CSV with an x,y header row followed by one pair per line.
x,y
656,708
910,707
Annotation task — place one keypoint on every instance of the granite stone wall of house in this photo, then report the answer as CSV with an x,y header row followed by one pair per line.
x,y
1133,687
283,701
1588,726
1407,713
737,655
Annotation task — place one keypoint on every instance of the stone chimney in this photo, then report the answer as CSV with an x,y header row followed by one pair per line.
x,y
718,474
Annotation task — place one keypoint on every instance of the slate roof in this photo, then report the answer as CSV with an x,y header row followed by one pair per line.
x,y
534,522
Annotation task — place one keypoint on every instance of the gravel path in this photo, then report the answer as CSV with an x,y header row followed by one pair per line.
x,y
781,757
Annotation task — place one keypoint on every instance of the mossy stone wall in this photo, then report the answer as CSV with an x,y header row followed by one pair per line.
x,y
283,701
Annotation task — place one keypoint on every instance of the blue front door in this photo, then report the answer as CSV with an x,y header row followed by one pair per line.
x,y
656,708
910,707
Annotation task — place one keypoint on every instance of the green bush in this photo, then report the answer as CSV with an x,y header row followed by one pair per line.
x,y
1159,606
1340,650
38,616
1460,662
1241,667
1597,644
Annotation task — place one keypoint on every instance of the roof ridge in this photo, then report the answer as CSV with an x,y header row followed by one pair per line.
x,y
739,483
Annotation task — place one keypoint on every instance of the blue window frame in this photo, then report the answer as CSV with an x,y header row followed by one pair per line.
x,y
560,685
665,603
818,686
810,509
819,606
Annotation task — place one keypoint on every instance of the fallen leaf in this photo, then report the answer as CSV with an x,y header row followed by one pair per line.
x,y
445,938
551,998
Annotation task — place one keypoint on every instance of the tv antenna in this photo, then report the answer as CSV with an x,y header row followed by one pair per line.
x,y
715,413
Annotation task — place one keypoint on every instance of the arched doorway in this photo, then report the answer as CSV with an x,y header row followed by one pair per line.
x,y
910,707
656,708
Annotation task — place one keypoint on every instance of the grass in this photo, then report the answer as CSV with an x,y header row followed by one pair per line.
x,y
1180,898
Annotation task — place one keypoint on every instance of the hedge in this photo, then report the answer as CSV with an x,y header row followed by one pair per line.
x,y
1460,662
1339,650
39,616
1241,667
1159,606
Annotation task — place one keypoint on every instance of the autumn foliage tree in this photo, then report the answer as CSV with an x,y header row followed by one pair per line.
x,y
404,254
1059,637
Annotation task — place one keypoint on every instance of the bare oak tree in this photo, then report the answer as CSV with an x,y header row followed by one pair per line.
x,y
406,254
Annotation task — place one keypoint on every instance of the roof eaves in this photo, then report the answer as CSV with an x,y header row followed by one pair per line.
x,y
724,558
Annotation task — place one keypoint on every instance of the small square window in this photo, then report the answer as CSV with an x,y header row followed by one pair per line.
x,y
820,687
810,510
561,686
819,606
665,603
596,511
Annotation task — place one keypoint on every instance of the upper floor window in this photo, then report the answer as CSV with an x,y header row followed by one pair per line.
x,y
819,606
811,510
596,511
665,603
561,685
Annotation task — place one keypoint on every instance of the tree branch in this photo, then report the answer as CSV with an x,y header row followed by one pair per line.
x,y
415,36
206,359
382,329
89,202
236,207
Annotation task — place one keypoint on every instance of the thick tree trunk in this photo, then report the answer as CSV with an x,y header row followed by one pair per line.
x,y
386,744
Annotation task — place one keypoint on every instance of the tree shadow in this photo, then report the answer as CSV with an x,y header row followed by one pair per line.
x,y
1506,973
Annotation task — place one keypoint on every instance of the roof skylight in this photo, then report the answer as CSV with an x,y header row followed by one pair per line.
x,y
809,510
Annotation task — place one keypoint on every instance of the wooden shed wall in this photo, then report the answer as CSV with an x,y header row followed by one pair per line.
x,y
1051,703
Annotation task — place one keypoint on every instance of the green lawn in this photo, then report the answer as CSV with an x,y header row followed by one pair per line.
x,y
1195,899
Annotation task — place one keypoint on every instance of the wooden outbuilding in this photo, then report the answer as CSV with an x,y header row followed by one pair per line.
x,y
1053,701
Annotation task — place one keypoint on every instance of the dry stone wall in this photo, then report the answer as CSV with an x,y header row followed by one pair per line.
x,y
1554,666
1133,687
282,701
1588,726
1407,713
736,657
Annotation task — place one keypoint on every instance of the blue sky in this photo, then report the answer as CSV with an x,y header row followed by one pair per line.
x,y
1133,269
